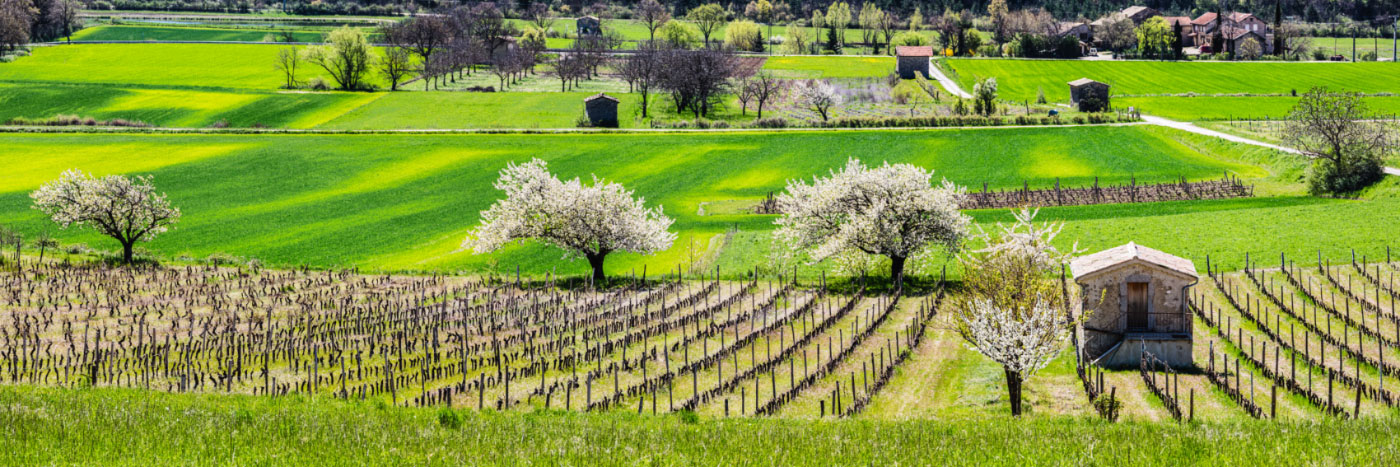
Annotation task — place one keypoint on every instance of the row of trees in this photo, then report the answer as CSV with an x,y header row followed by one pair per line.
x,y
25,21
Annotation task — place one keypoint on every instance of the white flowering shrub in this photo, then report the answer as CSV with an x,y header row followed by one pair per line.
x,y
126,209
590,221
893,211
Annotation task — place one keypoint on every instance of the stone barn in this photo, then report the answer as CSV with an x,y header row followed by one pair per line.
x,y
1135,300
601,110
913,60
1087,88
589,26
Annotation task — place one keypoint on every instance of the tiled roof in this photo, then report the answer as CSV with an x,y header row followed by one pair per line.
x,y
1091,264
1082,81
914,51
1205,19
600,96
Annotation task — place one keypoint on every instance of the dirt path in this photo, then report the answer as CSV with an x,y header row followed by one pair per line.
x,y
948,83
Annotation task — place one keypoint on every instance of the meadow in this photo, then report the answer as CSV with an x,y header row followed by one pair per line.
x,y
1207,108
178,107
404,202
829,67
449,110
44,426
1019,80
210,34
170,65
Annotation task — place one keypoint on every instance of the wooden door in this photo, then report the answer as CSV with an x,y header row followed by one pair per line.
x,y
1137,306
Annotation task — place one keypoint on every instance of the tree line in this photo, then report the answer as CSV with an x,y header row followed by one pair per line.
x,y
25,21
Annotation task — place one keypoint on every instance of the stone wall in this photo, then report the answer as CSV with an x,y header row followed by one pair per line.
x,y
1104,303
911,66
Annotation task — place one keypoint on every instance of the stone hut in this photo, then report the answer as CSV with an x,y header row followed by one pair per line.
x,y
913,60
1084,87
1135,298
601,110
589,26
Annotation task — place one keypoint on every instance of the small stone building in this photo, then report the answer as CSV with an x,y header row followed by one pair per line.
x,y
913,60
601,110
1135,300
1084,87
589,26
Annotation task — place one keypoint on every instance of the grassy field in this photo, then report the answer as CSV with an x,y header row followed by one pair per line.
x,y
830,67
1234,108
177,107
1384,48
168,33
53,426
184,65
475,110
405,202
1018,80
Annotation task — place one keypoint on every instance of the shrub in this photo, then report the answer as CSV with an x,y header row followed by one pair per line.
x,y
318,84
1327,177
770,122
1368,56
1319,55
449,418
1092,103
744,35
679,33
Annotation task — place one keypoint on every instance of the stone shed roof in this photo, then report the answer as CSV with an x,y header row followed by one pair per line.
x,y
913,51
1082,81
600,96
1088,265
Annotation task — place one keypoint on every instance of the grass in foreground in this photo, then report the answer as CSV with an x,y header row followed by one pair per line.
x,y
57,426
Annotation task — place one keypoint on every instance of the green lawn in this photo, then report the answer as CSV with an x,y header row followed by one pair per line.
x,y
243,66
178,107
168,33
830,67
433,110
1234,108
1018,80
77,426
403,202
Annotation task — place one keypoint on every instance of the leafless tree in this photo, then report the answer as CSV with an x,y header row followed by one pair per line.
x,y
288,59
695,78
652,14
761,89
395,65
642,70
540,15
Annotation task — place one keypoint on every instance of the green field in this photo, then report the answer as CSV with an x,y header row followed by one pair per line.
x,y
168,33
449,110
830,67
1018,80
1384,48
56,426
177,107
404,202
1234,108
172,65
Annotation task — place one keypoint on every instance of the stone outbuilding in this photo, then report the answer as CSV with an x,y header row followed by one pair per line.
x,y
1083,88
1135,300
601,110
913,60
589,26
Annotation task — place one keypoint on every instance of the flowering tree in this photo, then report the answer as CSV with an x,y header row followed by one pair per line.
x,y
588,221
126,209
892,210
818,95
1013,310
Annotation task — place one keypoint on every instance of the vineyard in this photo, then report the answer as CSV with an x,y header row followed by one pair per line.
x,y
714,347
1131,192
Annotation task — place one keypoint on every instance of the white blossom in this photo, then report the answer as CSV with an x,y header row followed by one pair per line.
x,y
891,210
126,209
583,220
1023,339
818,95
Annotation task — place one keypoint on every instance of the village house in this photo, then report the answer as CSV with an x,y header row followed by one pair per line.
x,y
1183,26
1077,29
1238,27
912,60
1134,300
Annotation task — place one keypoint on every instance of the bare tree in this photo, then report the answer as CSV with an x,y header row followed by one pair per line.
x,y
696,77
395,65
762,88
288,60
642,70
652,14
541,16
